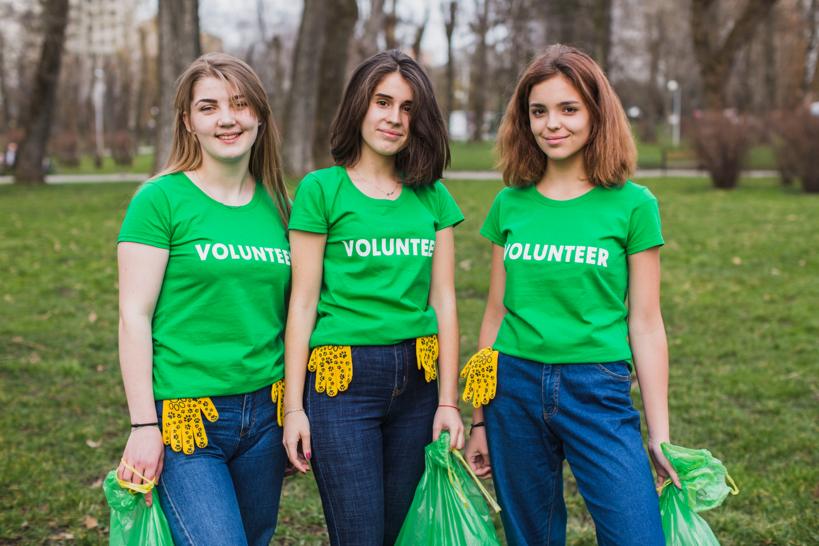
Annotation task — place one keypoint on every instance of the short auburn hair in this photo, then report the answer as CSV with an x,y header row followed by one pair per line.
x,y
426,154
609,156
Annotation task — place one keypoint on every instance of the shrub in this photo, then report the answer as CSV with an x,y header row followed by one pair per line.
x,y
797,146
721,140
65,146
122,148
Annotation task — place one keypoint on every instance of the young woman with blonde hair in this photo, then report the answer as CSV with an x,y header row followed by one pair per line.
x,y
204,276
574,302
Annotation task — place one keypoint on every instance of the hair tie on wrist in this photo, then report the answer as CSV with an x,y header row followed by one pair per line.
x,y
140,425
473,426
456,408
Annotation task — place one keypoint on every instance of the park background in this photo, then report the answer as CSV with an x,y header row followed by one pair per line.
x,y
722,96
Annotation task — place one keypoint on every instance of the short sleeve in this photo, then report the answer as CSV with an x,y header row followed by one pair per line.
x,y
148,218
491,226
645,230
309,211
448,214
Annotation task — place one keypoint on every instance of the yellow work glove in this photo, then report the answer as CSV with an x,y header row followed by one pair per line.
x,y
426,352
277,395
333,365
182,423
481,374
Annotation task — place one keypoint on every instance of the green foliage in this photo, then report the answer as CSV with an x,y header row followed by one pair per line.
x,y
739,299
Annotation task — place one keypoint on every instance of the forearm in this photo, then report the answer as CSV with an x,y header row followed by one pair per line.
x,y
136,364
449,350
650,352
300,322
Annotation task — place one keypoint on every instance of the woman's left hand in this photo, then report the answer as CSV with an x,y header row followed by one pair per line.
x,y
449,418
662,466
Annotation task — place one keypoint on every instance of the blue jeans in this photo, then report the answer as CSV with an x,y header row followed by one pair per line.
x,y
228,492
368,443
583,413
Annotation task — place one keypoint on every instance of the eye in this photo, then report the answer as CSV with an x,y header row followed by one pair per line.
x,y
570,109
205,108
381,102
240,104
407,108
537,112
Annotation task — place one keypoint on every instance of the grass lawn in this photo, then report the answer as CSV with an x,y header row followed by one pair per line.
x,y
480,156
740,302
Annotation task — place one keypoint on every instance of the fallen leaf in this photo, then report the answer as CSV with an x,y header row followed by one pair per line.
x,y
90,522
736,260
92,317
100,368
92,444
466,265
96,485
34,358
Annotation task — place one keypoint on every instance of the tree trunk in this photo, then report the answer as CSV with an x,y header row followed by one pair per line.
x,y
419,36
178,22
450,12
715,60
302,99
37,123
367,46
480,67
4,89
338,30
602,32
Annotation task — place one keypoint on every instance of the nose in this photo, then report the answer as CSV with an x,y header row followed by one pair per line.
x,y
394,115
226,117
552,121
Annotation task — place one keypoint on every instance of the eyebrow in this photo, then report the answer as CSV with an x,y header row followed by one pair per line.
x,y
563,103
214,101
385,96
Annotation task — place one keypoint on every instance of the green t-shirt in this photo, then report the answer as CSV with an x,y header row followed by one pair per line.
x,y
377,260
219,320
567,270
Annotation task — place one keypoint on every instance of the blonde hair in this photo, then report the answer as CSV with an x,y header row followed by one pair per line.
x,y
265,159
609,156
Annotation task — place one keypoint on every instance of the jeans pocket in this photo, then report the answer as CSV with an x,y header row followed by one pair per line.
x,y
618,370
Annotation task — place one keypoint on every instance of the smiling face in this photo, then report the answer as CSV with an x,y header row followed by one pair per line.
x,y
386,126
222,121
558,118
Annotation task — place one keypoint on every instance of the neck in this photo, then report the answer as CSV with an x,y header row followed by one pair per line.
x,y
226,179
375,166
567,173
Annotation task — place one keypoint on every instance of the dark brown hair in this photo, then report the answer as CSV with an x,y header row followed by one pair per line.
x,y
265,160
609,155
423,159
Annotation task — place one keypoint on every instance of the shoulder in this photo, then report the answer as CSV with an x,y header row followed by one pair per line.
x,y
327,179
635,193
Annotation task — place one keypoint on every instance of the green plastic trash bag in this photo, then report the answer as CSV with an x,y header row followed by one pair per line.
x,y
705,484
133,523
449,507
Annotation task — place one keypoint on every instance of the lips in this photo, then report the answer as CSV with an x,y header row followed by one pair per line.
x,y
555,140
391,135
229,137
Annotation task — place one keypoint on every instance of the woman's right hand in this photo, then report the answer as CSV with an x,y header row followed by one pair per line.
x,y
296,439
145,452
477,453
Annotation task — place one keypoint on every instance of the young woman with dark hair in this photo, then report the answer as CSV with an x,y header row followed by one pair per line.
x,y
574,301
204,275
372,319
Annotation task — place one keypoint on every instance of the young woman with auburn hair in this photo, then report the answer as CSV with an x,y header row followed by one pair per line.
x,y
574,301
204,273
372,320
